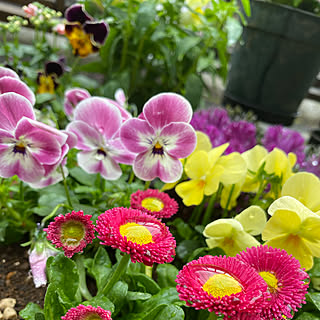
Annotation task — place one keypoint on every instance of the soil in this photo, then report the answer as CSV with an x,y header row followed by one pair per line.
x,y
15,278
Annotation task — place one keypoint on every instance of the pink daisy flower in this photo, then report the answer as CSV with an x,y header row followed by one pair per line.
x,y
71,232
284,277
154,202
82,312
134,232
223,285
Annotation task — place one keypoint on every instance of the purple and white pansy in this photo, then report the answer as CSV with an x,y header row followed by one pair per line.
x,y
160,136
96,125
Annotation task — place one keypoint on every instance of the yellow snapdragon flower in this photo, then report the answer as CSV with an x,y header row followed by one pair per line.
x,y
294,228
235,235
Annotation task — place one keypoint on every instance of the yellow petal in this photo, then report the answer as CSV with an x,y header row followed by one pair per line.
x,y
222,228
253,220
243,240
305,187
214,242
213,180
283,222
169,186
216,153
197,165
191,192
235,168
254,156
294,245
276,162
292,204
310,232
203,142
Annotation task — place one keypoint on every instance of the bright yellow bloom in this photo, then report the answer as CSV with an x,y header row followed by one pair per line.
x,y
235,235
187,17
206,170
305,187
294,228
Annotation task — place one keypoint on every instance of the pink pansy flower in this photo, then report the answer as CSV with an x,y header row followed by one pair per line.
x,y
82,312
9,82
160,137
71,98
96,124
26,145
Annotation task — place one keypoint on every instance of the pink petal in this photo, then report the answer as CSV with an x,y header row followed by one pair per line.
x,y
165,108
92,162
72,97
72,139
179,139
24,166
41,144
120,96
124,113
119,153
9,84
49,169
149,166
88,137
99,114
12,108
137,135
49,180
6,72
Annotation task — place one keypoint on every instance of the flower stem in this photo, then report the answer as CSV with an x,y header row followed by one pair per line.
x,y
21,191
120,270
82,277
52,214
147,185
148,271
196,213
131,178
225,211
208,212
66,187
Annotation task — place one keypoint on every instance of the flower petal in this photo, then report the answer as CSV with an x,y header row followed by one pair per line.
x,y
191,192
119,153
99,114
203,142
305,187
137,135
99,31
222,228
179,139
88,137
165,108
9,84
253,220
124,113
197,165
77,13
216,153
148,166
92,162
7,72
12,108
254,156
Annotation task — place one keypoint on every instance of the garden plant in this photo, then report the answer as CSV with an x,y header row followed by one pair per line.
x,y
132,200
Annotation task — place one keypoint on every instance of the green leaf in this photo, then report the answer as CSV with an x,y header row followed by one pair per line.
x,y
48,202
314,274
63,274
52,307
118,295
246,7
44,98
145,17
150,285
194,88
307,316
167,274
171,312
3,226
183,228
184,45
133,296
30,310
101,267
39,316
83,177
314,297
100,301
187,247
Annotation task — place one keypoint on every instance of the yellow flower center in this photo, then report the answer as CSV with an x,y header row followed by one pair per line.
x,y
80,42
157,148
220,285
72,233
152,204
136,233
46,84
270,279
92,317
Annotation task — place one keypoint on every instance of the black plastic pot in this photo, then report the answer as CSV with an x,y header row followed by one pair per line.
x,y
275,62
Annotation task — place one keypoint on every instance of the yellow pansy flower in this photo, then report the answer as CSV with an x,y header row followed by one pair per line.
x,y
294,228
235,235
305,187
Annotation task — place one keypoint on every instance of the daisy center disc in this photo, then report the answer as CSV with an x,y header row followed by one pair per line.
x,y
152,204
92,317
72,233
136,233
270,279
220,285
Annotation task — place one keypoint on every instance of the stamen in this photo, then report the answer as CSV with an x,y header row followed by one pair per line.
x,y
19,148
157,149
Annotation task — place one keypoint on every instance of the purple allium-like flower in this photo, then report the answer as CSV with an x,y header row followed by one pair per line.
x,y
96,125
85,35
160,137
285,139
312,164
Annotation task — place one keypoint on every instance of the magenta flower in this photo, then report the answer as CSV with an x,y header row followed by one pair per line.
x,y
82,312
71,232
285,139
134,232
154,202
224,285
96,124
71,99
10,82
284,277
160,137
28,148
